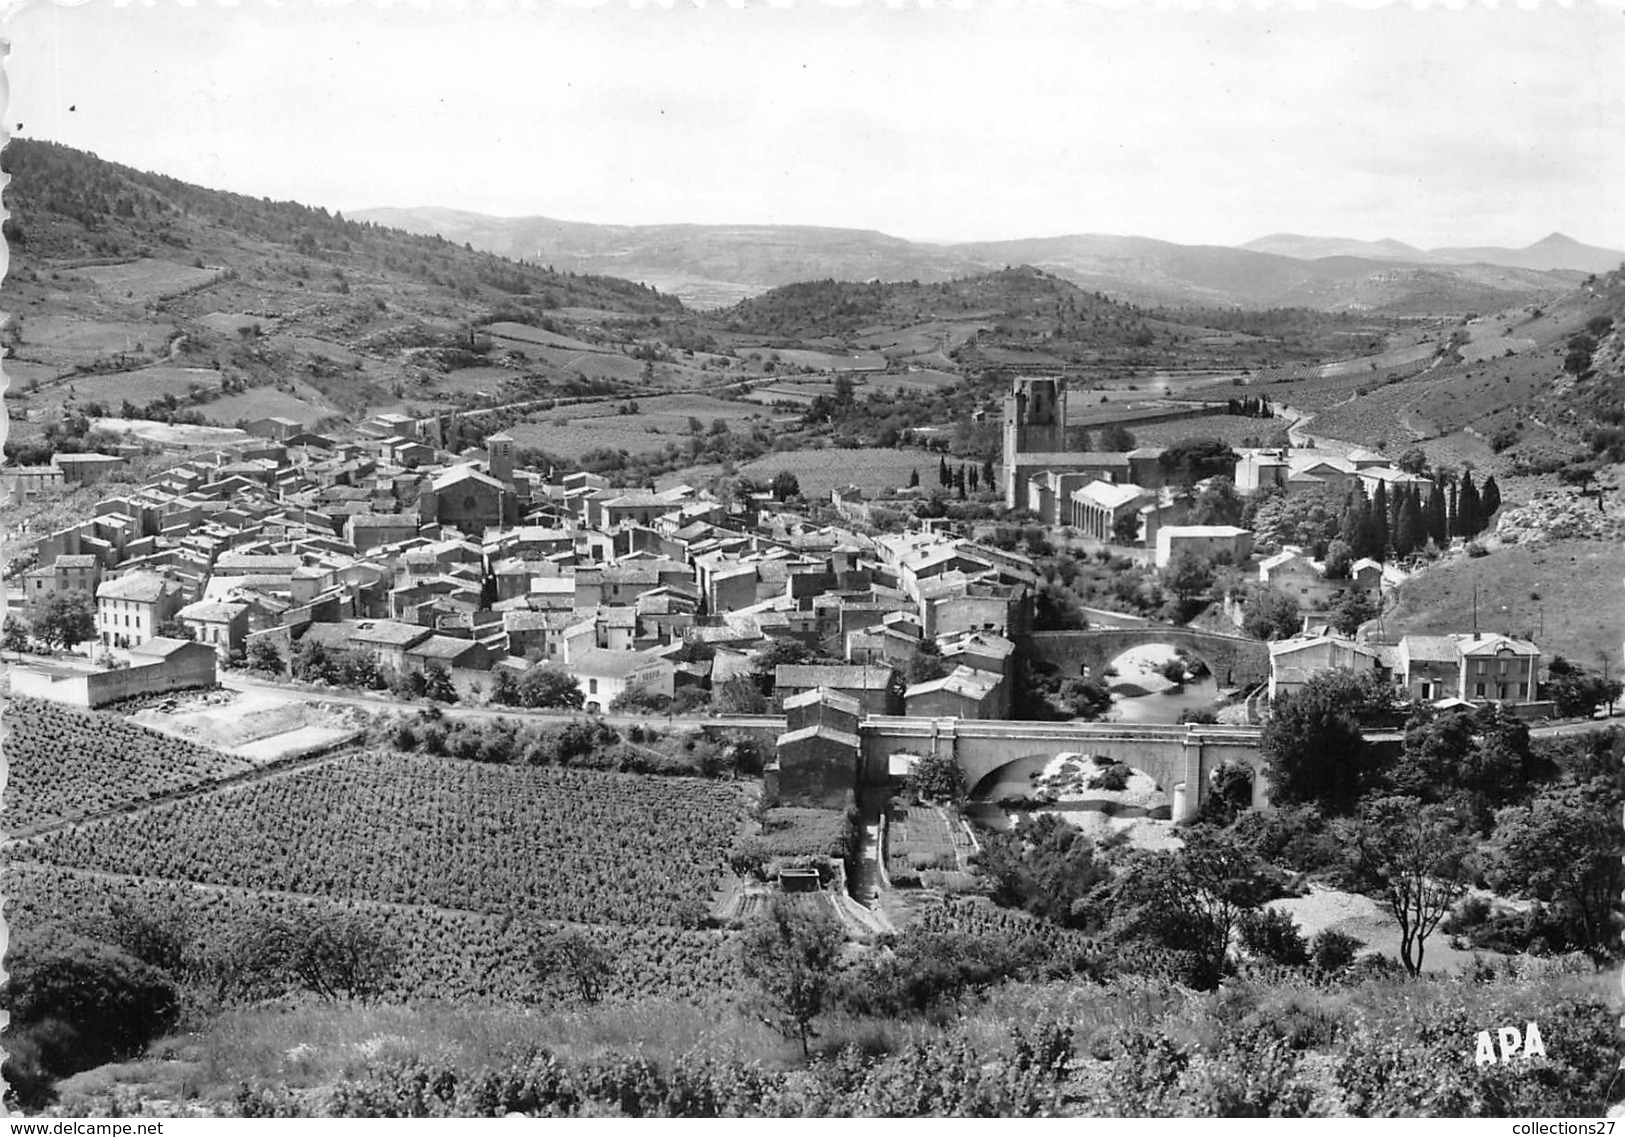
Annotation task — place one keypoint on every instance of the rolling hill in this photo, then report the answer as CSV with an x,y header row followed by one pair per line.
x,y
715,265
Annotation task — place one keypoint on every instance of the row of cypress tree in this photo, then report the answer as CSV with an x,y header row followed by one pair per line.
x,y
1405,521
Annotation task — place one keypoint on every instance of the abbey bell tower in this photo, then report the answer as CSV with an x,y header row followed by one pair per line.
x,y
1034,423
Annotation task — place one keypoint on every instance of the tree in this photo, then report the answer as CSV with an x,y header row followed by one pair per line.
x,y
573,958
926,665
1468,508
785,486
1317,753
1311,519
76,1003
1087,699
1339,559
737,695
938,777
1413,855
1044,866
1126,529
263,656
1192,900
1188,575
1577,690
549,686
945,477
1270,614
913,479
66,620
988,478
173,629
1269,933
341,955
1489,498
1353,610
504,688
1116,437
1054,610
1218,504
437,684
14,637
1376,534
1188,461
1413,461
1564,848
790,953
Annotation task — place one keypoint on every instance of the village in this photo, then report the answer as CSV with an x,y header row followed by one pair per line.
x,y
384,560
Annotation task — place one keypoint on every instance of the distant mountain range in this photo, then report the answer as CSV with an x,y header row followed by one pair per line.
x,y
714,265
1553,253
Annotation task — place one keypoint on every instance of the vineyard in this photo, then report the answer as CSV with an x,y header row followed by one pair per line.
x,y
546,843
442,955
66,763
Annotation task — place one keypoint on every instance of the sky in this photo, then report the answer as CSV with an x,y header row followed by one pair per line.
x,y
956,121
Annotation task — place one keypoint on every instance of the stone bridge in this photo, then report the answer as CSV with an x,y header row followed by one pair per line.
x,y
1235,661
1182,759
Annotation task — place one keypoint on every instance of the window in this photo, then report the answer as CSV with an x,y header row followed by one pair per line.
x,y
1503,667
1523,690
592,686
1479,690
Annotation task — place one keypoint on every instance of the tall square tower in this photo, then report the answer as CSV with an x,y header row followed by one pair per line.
x,y
1034,423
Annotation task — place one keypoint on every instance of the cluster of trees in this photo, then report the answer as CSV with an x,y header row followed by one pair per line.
x,y
1469,799
101,988
964,478
1383,526
61,620
586,743
352,667
1250,406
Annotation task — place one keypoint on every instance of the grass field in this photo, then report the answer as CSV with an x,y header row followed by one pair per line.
x,y
139,387
69,336
1580,587
146,280
819,471
264,402
661,419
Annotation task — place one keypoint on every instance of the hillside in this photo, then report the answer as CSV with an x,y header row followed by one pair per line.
x,y
1021,317
1535,388
131,286
716,265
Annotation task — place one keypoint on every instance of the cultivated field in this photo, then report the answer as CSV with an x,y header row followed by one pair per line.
x,y
179,435
546,843
1229,429
66,763
819,471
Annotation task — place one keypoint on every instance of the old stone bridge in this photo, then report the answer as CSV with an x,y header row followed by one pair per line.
x,y
1182,759
1235,661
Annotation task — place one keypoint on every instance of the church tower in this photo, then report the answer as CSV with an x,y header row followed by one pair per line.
x,y
1034,423
499,457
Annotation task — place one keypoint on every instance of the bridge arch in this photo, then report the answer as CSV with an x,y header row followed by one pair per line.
x,y
1233,661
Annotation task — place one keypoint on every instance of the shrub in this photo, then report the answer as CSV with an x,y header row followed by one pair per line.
x,y
1115,777
1271,934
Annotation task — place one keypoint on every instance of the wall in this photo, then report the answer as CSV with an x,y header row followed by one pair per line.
x,y
97,689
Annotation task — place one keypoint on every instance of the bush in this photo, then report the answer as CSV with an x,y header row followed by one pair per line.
x,y
1474,549
1114,778
77,1003
1331,951
1271,934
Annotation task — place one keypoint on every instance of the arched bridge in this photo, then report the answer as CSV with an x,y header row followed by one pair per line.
x,y
1181,758
1235,661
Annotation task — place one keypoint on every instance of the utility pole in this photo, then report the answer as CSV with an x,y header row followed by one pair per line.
x,y
1475,609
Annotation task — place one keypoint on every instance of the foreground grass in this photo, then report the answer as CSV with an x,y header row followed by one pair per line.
x,y
1260,1046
